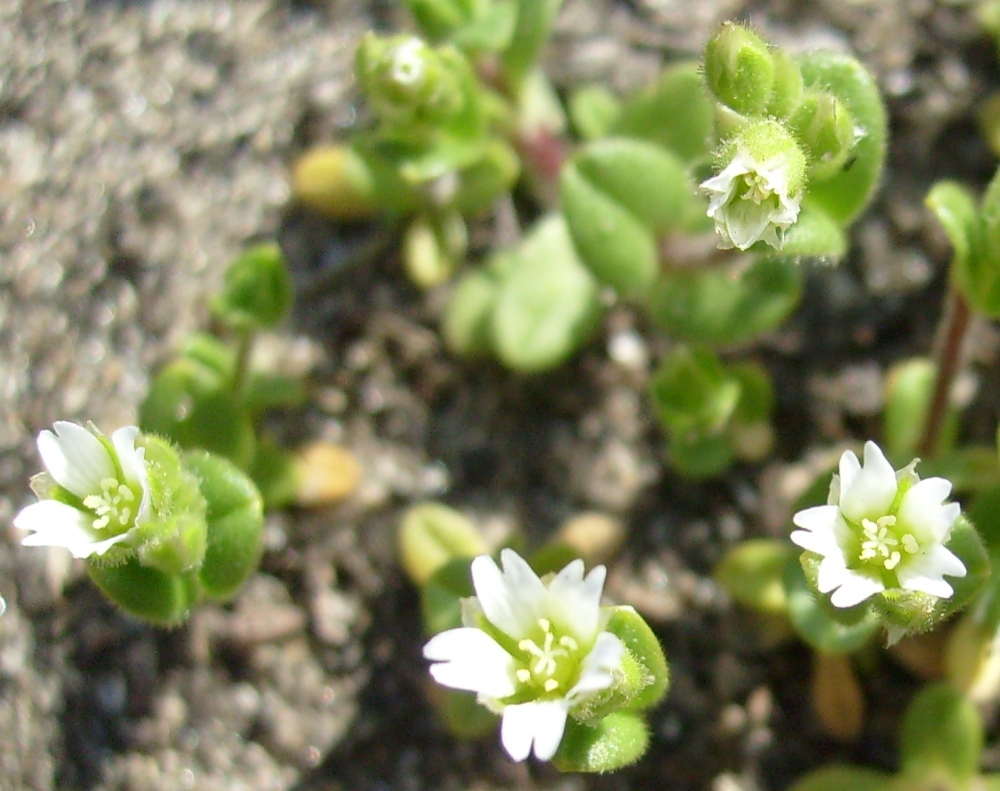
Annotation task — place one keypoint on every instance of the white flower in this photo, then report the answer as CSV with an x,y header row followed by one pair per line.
x,y
881,530
95,493
750,200
532,650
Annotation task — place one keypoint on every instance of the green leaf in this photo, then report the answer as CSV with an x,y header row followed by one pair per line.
x,y
700,457
693,394
490,31
752,573
814,235
431,535
531,32
639,639
462,713
616,741
750,430
162,599
593,110
675,112
619,196
257,292
846,194
909,388
981,275
984,513
191,405
970,468
274,472
844,778
547,305
818,623
721,307
490,176
467,322
442,593
941,731
956,210
235,524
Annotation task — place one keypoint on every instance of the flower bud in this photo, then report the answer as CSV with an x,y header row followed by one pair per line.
x,y
409,84
758,189
826,130
740,69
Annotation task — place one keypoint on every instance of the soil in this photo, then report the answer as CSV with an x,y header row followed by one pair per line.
x,y
144,142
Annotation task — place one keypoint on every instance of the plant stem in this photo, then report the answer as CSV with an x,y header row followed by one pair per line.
x,y
946,364
241,368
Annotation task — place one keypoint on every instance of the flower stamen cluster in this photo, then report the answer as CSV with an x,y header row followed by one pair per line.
x,y
881,530
534,651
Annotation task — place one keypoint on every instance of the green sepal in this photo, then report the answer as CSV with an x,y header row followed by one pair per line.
x,y
739,69
257,290
753,574
193,406
432,535
844,195
912,612
941,731
649,684
174,540
442,593
674,113
720,307
611,743
547,305
844,778
826,628
235,517
619,196
146,593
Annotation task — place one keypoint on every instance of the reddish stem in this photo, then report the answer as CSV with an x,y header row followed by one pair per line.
x,y
948,359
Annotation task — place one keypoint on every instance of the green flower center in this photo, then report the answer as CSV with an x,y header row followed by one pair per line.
x,y
114,508
884,543
549,661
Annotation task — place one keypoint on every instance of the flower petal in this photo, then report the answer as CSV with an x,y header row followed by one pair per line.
x,y
854,589
832,572
469,659
870,492
923,511
597,670
56,524
133,464
75,458
541,723
574,603
511,599
926,572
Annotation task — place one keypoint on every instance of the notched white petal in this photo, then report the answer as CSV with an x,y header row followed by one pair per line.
x,y
75,458
854,589
469,659
872,490
540,724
